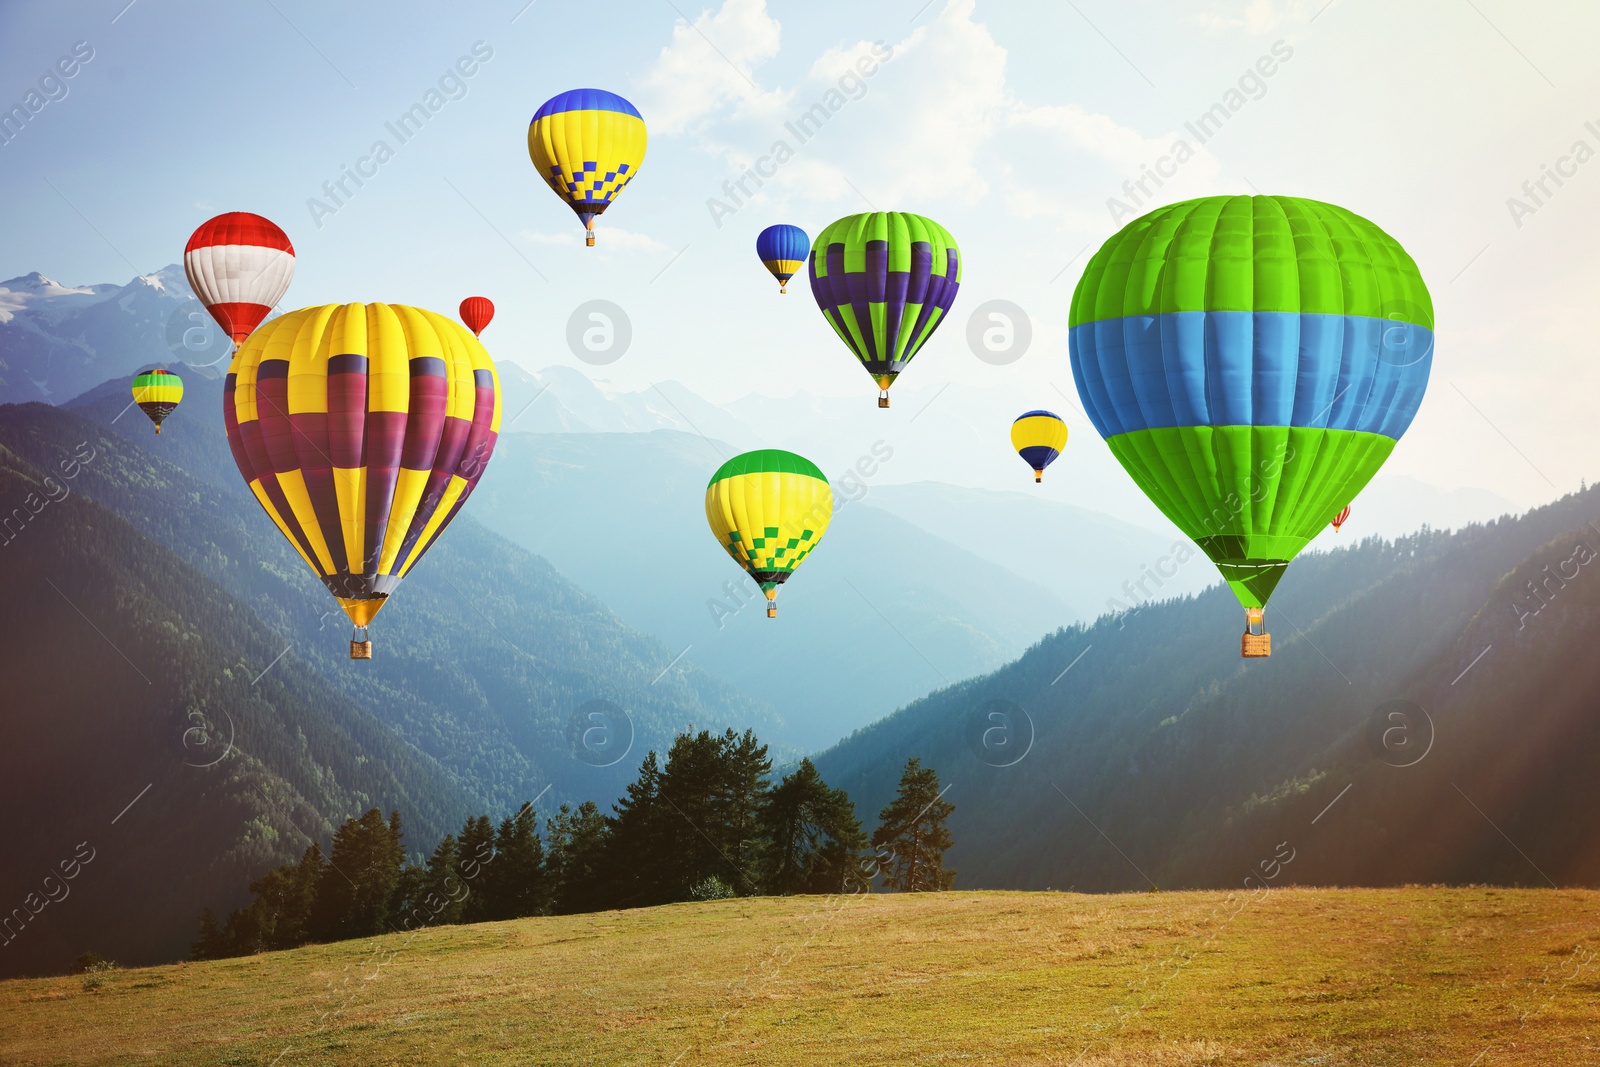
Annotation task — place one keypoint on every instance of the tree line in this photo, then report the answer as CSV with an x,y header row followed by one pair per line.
x,y
705,823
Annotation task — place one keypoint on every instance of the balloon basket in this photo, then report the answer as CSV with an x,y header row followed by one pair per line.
x,y
588,239
360,646
883,399
1038,476
1255,646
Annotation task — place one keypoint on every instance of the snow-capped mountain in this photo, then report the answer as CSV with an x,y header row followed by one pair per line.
x,y
58,340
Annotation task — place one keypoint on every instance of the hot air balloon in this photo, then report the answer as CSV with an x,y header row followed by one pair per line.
x,y
587,145
1039,437
769,509
783,249
361,429
1251,361
885,280
1341,518
239,265
477,312
157,392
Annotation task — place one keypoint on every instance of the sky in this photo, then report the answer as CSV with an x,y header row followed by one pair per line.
x,y
1014,124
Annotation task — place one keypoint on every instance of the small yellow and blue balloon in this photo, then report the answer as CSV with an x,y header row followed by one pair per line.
x,y
157,392
783,249
587,145
768,509
1039,436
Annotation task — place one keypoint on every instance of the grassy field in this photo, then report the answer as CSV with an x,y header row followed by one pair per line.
x,y
1291,976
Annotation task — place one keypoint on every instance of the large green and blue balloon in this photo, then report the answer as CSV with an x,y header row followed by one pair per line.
x,y
1251,361
885,280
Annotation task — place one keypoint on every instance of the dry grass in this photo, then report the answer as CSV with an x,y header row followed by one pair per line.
x,y
1296,976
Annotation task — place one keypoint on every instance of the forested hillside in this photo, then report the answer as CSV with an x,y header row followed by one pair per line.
x,y
133,679
1142,750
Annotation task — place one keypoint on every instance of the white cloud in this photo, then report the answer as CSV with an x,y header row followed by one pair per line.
x,y
710,66
935,122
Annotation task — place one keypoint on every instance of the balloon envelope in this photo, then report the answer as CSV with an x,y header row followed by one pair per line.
x,y
783,249
768,509
885,280
477,312
239,266
157,392
1341,518
587,145
1039,436
361,429
1251,361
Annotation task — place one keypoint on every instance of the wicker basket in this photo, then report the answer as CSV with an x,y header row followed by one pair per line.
x,y
360,649
1255,646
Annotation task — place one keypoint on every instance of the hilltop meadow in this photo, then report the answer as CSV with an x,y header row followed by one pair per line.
x,y
1283,976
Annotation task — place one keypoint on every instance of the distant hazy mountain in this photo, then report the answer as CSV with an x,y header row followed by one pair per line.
x,y
1093,562
883,612
1428,714
1394,502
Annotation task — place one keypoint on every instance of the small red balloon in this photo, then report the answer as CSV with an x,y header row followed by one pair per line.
x,y
1341,518
476,312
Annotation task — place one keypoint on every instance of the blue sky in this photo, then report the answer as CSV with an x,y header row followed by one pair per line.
x,y
1012,123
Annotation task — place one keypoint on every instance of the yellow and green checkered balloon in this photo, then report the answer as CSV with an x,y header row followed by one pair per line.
x,y
768,509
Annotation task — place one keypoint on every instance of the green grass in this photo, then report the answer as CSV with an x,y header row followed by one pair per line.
x,y
1293,976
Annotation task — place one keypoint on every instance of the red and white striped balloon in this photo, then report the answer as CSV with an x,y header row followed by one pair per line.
x,y
239,265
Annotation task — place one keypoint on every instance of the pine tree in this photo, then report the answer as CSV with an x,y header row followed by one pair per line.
x,y
474,860
444,893
631,873
912,830
408,905
745,767
811,835
516,881
354,893
211,944
576,843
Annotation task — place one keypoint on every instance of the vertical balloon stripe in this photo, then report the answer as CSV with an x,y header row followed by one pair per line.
x,y
276,512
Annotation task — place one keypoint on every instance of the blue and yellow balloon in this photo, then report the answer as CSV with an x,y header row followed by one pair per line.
x,y
587,144
783,249
1039,437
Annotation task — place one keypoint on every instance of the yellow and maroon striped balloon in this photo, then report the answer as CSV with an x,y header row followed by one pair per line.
x,y
361,429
